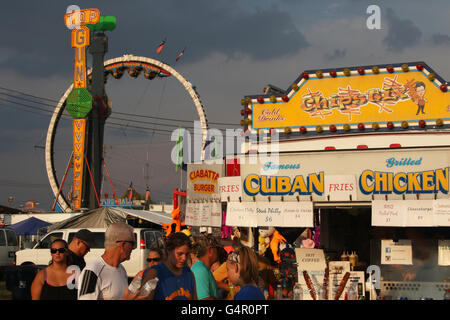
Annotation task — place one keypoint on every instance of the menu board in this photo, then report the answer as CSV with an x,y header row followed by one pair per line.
x,y
241,214
216,214
270,214
298,214
418,213
411,213
441,212
388,213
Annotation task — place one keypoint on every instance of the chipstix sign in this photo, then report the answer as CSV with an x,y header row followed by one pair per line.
x,y
348,176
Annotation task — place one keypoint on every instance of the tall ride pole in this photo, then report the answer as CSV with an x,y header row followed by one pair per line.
x,y
87,103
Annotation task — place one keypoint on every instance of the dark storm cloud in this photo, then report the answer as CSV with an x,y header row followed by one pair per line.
x,y
38,43
401,34
440,39
336,54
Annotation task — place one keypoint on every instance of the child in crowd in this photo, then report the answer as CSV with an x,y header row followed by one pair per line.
x,y
242,268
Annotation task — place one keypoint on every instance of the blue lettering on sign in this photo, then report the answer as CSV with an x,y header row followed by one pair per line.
x,y
272,166
393,162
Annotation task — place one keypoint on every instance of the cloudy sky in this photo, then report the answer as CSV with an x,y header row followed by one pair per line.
x,y
233,48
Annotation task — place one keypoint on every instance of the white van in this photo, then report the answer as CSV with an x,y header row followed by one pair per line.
x,y
8,246
145,239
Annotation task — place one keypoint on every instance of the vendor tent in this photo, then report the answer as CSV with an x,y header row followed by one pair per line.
x,y
29,226
103,217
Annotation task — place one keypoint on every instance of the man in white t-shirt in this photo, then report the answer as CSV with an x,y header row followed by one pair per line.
x,y
106,278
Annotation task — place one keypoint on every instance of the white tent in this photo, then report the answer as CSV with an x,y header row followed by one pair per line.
x,y
103,217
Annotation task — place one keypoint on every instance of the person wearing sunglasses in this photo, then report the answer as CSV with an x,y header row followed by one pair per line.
x,y
105,278
155,256
51,282
80,246
242,268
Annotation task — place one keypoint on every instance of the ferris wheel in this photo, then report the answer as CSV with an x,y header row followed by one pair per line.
x,y
134,66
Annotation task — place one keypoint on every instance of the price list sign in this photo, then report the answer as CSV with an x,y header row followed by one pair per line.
x,y
441,212
419,213
192,214
388,213
205,214
298,214
270,214
241,214
216,214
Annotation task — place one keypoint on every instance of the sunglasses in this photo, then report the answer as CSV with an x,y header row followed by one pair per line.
x,y
234,257
153,259
60,250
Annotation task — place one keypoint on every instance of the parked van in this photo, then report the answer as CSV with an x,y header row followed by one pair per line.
x,y
145,239
8,246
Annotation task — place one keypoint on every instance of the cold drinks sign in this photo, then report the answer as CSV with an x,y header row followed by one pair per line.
x,y
333,98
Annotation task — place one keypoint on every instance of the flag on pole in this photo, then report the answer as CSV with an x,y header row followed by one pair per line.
x,y
147,194
130,191
179,150
161,46
180,55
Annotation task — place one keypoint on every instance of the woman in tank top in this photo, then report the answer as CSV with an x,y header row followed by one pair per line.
x,y
52,283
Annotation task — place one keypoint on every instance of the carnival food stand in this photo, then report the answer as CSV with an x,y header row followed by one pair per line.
x,y
355,160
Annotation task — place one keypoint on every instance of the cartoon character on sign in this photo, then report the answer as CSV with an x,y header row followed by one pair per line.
x,y
418,96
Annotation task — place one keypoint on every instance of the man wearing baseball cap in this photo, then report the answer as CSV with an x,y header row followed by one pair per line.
x,y
80,246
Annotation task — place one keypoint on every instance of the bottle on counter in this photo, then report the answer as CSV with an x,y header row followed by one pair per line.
x,y
352,294
353,258
279,293
447,294
231,292
344,256
298,292
266,294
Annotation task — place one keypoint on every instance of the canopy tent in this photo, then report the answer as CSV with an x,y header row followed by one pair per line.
x,y
103,217
29,226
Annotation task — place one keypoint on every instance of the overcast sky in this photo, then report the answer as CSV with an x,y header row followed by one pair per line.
x,y
233,48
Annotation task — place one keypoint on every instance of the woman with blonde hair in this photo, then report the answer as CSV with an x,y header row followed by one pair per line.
x,y
242,268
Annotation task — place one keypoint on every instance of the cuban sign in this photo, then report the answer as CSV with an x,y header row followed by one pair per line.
x,y
397,174
403,96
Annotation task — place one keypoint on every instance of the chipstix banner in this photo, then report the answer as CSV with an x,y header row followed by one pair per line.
x,y
347,176
354,99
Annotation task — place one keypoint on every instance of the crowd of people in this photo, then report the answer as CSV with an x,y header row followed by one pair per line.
x,y
191,268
